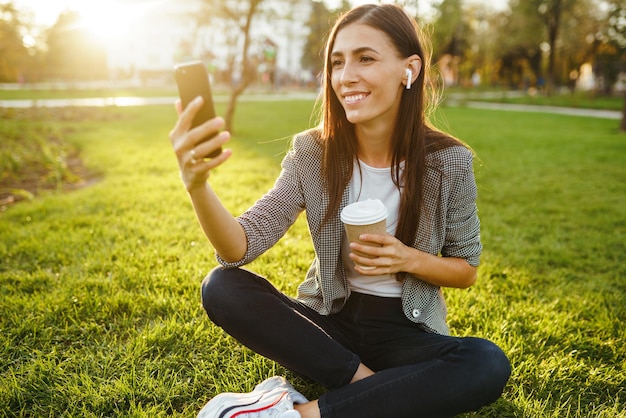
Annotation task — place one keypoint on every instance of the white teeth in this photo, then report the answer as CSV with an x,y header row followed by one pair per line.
x,y
355,98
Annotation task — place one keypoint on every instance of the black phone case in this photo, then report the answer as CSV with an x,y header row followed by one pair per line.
x,y
193,81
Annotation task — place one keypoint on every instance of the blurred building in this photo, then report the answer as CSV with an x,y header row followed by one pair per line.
x,y
169,33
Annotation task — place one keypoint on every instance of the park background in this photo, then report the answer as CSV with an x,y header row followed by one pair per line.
x,y
101,257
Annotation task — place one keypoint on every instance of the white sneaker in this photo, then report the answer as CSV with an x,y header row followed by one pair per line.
x,y
272,398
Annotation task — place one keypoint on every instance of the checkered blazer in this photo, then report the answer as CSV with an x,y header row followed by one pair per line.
x,y
449,227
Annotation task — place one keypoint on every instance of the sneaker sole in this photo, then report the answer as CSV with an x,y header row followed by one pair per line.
x,y
237,405
257,406
265,396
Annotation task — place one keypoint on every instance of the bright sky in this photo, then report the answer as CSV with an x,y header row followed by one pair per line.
x,y
47,11
101,16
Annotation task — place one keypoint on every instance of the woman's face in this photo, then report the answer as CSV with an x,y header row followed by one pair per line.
x,y
367,75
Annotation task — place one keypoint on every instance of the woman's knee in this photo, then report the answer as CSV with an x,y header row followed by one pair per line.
x,y
493,366
211,285
499,363
219,290
232,291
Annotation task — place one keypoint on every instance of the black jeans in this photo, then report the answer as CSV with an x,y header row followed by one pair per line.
x,y
418,373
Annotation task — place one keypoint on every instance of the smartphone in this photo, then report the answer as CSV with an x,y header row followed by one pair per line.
x,y
192,80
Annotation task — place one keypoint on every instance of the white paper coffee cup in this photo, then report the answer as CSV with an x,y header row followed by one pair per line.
x,y
364,217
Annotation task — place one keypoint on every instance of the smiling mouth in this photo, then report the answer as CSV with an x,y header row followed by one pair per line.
x,y
354,98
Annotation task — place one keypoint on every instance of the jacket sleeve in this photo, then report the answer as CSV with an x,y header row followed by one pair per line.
x,y
462,234
271,216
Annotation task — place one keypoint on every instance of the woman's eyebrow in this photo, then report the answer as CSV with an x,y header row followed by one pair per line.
x,y
356,51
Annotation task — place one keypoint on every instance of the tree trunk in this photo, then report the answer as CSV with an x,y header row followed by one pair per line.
x,y
623,126
229,116
247,69
553,22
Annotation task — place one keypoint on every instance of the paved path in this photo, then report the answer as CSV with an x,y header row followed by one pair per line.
x,y
146,101
594,113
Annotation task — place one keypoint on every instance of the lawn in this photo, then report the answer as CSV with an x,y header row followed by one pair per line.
x,y
99,287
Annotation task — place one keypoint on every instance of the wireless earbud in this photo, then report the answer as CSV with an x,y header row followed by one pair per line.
x,y
409,78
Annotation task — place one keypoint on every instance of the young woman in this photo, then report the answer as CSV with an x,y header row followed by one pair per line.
x,y
376,337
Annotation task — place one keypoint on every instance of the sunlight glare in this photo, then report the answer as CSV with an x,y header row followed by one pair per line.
x,y
108,21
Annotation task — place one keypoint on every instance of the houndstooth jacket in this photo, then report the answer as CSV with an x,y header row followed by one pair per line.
x,y
449,227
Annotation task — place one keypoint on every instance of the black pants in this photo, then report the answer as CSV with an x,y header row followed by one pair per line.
x,y
418,373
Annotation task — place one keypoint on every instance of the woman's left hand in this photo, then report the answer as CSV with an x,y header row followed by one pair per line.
x,y
392,256
389,255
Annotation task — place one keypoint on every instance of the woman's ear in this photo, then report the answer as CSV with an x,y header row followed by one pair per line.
x,y
414,66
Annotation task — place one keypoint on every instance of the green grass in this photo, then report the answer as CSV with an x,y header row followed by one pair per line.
x,y
99,288
552,194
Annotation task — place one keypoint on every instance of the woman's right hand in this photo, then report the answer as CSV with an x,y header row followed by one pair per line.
x,y
192,148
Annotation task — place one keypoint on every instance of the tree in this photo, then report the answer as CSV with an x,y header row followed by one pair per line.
x,y
239,15
449,32
319,24
551,12
623,123
519,53
73,54
14,55
551,15
449,40
581,24
467,42
615,37
553,49
610,46
235,19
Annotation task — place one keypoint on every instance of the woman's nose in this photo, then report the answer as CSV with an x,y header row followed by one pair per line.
x,y
348,74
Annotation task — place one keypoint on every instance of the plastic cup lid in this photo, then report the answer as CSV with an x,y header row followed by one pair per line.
x,y
364,212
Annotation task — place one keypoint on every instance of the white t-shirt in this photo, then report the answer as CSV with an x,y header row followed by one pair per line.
x,y
373,183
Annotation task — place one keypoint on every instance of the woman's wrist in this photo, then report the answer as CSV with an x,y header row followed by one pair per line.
x,y
194,188
415,262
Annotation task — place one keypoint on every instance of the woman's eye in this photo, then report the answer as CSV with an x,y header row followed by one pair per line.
x,y
366,59
336,63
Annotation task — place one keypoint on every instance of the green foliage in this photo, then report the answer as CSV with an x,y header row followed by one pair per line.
x,y
14,55
450,31
313,52
99,288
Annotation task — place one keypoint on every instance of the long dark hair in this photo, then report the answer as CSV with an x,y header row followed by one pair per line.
x,y
413,137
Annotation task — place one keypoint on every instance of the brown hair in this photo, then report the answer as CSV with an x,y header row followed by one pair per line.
x,y
413,137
